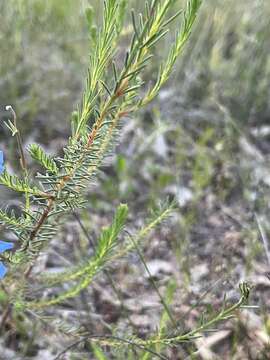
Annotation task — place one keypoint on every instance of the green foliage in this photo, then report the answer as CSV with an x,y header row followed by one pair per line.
x,y
227,312
84,274
113,91
98,352
95,124
19,185
12,222
42,158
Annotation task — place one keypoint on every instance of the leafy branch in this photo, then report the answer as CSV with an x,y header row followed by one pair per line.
x,y
226,313
113,91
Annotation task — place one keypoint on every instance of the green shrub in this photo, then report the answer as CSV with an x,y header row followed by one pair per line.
x,y
113,92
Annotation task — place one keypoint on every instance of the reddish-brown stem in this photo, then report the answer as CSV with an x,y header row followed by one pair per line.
x,y
119,92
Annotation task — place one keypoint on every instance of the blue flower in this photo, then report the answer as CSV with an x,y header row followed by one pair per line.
x,y
3,247
3,244
1,162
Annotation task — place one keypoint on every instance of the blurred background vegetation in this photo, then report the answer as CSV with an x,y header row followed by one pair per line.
x,y
206,144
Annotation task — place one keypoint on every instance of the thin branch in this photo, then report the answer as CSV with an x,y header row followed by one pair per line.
x,y
109,337
152,281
